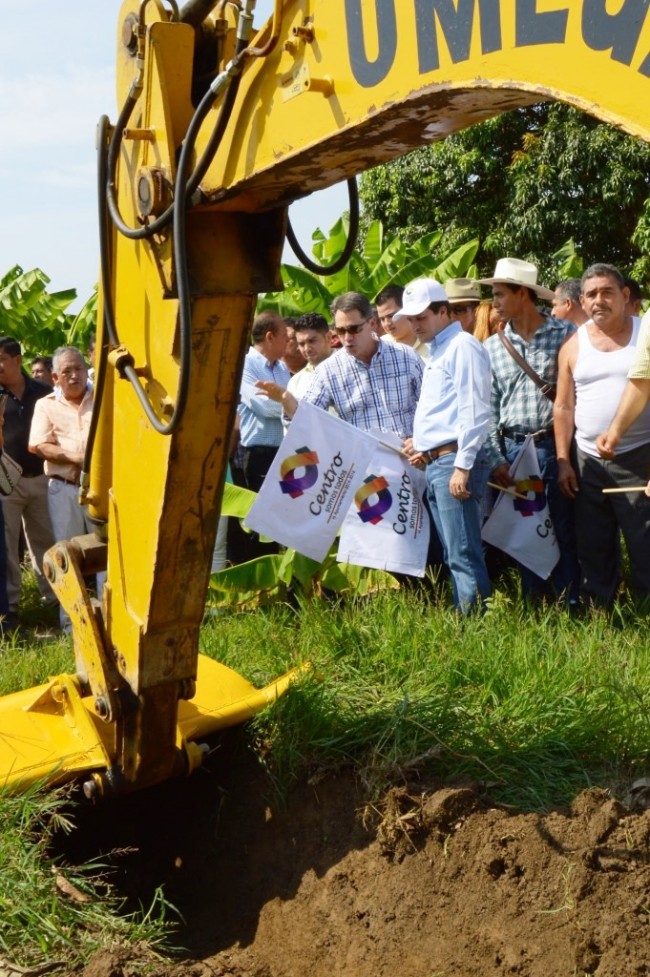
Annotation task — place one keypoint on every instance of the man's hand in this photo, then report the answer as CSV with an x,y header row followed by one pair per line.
x,y
413,457
501,475
567,479
606,445
274,391
458,484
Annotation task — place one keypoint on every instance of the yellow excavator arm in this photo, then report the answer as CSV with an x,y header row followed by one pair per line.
x,y
220,128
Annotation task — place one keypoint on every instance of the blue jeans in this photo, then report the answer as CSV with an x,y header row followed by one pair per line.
x,y
565,578
459,527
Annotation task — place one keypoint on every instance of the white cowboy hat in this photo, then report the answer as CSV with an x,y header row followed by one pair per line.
x,y
512,271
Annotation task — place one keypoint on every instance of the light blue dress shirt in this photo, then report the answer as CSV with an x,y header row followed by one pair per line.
x,y
455,401
260,418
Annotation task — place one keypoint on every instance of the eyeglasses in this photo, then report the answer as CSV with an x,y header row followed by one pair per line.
x,y
461,309
355,328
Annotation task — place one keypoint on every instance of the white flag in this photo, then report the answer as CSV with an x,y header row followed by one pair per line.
x,y
311,482
523,528
387,527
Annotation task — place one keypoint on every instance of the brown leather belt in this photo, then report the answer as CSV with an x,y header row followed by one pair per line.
x,y
68,481
434,453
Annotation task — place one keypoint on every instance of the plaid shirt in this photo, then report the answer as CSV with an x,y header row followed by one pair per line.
x,y
382,394
515,401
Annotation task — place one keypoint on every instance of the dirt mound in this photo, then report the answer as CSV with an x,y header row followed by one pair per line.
x,y
430,882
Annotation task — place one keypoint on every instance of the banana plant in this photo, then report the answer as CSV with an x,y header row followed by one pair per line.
x,y
39,319
383,259
273,577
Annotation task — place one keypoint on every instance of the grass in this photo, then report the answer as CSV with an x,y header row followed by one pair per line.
x,y
533,706
55,915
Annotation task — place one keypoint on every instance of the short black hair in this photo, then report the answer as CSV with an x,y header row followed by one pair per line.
x,y
10,346
46,361
312,320
636,295
394,292
516,288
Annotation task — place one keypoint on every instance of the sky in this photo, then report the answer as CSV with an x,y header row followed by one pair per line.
x,y
56,80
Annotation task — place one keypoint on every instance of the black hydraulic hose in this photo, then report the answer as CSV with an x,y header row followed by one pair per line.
x,y
342,261
194,12
163,221
184,187
100,371
110,330
178,212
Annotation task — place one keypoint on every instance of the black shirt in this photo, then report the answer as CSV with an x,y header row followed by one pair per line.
x,y
18,421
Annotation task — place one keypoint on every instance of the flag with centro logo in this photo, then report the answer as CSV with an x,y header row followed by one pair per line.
x,y
522,527
387,527
311,482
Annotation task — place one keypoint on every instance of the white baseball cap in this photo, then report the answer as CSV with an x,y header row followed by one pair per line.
x,y
419,295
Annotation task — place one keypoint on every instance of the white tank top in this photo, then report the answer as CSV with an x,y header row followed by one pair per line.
x,y
600,379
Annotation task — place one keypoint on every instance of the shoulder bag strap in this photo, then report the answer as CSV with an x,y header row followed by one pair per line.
x,y
548,389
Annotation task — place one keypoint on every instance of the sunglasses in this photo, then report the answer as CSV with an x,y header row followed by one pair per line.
x,y
461,309
353,329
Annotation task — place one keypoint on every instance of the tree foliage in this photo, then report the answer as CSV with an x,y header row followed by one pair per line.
x,y
381,260
38,319
525,183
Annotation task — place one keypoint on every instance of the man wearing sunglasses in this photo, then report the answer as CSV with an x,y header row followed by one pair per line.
x,y
464,296
370,384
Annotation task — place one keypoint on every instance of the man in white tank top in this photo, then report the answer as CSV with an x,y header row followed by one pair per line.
x,y
593,368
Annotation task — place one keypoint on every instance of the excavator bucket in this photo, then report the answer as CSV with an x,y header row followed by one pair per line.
x,y
51,734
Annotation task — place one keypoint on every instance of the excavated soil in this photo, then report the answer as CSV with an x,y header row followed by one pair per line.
x,y
434,881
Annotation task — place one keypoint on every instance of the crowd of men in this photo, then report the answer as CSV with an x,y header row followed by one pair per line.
x,y
44,428
410,365
574,380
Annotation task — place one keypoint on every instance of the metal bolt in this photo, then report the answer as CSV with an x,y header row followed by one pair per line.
x,y
130,34
61,559
153,191
101,707
305,33
91,790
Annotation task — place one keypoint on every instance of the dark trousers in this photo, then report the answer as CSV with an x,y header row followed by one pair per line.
x,y
601,518
256,462
244,546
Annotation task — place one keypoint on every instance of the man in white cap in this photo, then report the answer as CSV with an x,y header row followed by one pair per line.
x,y
522,403
464,296
450,426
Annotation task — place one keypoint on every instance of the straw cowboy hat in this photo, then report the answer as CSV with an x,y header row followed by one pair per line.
x,y
512,271
462,290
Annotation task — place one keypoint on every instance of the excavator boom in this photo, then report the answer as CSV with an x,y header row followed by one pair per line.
x,y
220,128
